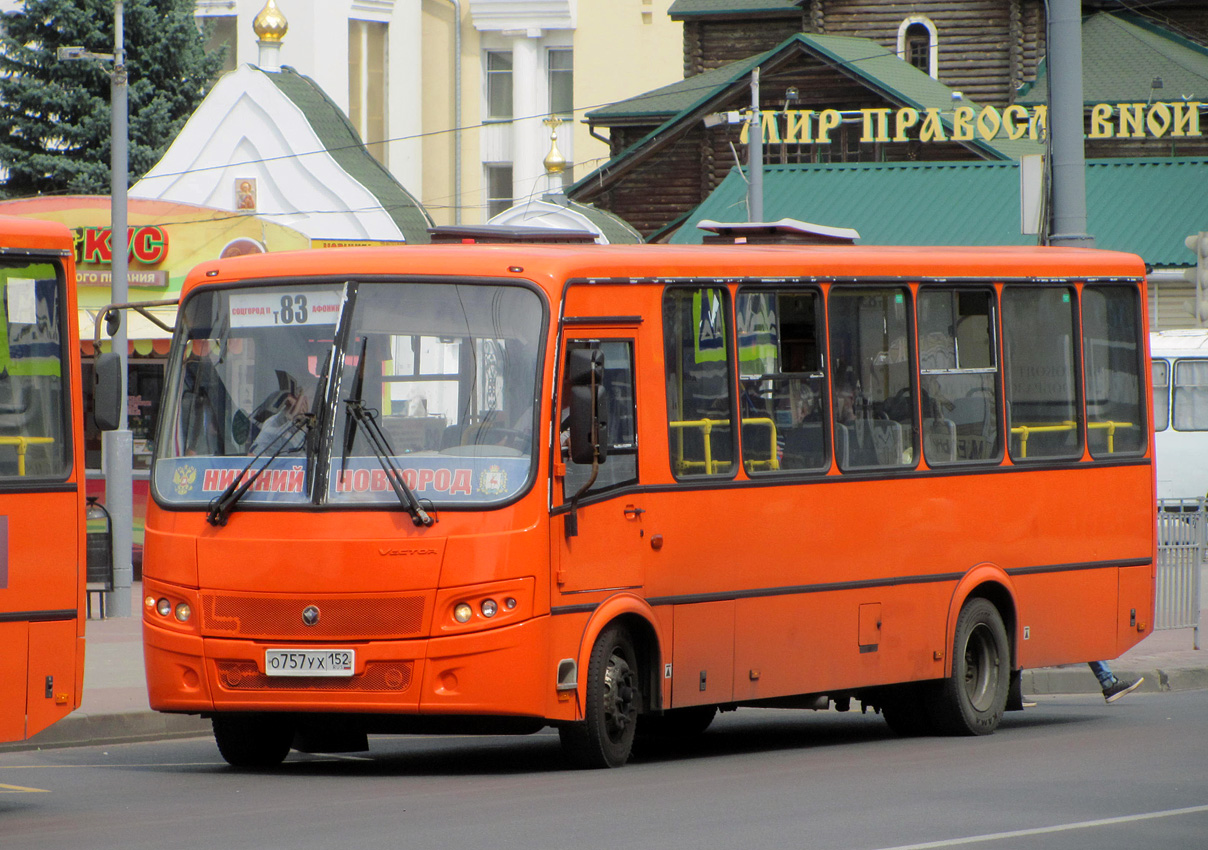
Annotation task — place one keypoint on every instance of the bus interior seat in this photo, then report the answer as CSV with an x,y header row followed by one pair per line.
x,y
939,440
804,446
889,439
842,441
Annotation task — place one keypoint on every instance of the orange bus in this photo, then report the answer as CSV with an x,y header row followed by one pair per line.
x,y
492,488
42,543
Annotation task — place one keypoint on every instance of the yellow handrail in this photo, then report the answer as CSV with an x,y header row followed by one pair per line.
x,y
1025,430
710,465
706,427
22,444
773,462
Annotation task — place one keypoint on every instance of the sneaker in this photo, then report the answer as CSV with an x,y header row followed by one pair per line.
x,y
1119,688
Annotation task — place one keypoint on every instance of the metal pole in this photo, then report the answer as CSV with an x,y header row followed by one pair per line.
x,y
457,200
755,155
119,445
1066,125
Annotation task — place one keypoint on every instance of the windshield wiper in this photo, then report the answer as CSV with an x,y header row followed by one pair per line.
x,y
221,506
350,419
357,414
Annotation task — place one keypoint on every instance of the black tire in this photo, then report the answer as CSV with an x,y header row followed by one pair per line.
x,y
614,701
906,712
971,701
253,740
677,724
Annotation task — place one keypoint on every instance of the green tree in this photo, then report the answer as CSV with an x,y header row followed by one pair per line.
x,y
54,115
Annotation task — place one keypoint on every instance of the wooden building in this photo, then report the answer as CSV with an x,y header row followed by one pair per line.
x,y
880,81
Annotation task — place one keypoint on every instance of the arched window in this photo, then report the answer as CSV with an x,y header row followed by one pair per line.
x,y
918,43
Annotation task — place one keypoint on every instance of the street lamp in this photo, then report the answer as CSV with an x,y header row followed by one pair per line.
x,y
117,445
754,146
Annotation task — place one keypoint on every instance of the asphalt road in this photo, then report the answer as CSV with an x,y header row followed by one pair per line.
x,y
1070,773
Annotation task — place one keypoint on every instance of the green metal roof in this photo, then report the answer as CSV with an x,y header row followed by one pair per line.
x,y
693,8
875,67
677,98
1144,206
344,144
1121,57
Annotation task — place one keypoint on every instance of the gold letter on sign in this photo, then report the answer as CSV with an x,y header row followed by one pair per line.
x,y
827,121
1011,116
1101,116
1187,119
800,127
906,118
933,128
962,124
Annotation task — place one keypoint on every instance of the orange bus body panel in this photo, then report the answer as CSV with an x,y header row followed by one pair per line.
x,y
750,588
42,582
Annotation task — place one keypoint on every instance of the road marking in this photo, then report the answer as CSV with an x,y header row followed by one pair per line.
x,y
110,765
1045,830
21,789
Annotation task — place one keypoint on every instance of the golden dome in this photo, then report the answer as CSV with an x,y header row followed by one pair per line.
x,y
270,24
554,162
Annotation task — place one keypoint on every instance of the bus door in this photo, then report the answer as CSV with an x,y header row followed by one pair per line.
x,y
601,539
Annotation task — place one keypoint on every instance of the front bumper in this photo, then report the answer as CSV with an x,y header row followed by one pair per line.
x,y
499,672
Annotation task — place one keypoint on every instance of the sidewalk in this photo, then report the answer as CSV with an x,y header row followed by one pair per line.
x,y
115,707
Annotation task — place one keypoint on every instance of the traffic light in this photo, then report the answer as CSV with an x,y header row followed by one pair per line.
x,y
1198,243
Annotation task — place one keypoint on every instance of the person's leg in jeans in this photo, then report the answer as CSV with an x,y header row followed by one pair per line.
x,y
1113,688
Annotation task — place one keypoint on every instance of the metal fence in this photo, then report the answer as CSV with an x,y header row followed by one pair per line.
x,y
1181,540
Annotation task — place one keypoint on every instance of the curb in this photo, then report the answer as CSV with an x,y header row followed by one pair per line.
x,y
89,730
1077,679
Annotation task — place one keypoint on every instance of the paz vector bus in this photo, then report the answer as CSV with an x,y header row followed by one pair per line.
x,y
614,489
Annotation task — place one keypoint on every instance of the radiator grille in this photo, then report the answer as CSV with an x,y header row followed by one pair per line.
x,y
346,618
378,676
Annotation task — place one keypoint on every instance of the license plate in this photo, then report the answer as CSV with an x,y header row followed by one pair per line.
x,y
309,662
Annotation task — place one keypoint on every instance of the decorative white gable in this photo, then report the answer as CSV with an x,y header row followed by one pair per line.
x,y
554,212
247,135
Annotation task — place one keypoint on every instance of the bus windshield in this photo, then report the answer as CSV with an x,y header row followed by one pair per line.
x,y
267,379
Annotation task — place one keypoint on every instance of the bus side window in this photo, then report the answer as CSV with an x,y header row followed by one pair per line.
x,y
958,364
1115,412
872,377
621,465
1161,395
700,381
1190,395
783,389
1038,326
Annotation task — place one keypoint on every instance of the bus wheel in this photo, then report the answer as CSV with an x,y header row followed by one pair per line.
x,y
605,737
253,740
971,701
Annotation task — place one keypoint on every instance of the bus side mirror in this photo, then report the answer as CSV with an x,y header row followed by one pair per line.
x,y
107,391
588,424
